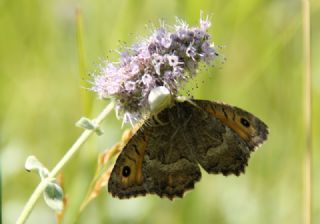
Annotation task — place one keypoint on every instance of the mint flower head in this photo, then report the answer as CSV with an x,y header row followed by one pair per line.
x,y
168,58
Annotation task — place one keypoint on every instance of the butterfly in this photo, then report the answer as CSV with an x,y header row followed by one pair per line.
x,y
164,154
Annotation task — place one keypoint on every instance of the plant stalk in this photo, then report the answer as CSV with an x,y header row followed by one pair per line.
x,y
70,153
307,112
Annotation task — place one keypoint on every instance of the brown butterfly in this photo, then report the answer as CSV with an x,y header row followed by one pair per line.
x,y
162,157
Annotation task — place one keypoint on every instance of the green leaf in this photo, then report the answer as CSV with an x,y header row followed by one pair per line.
x,y
53,196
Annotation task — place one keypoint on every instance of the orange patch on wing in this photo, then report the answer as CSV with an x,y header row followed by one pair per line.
x,y
231,119
140,148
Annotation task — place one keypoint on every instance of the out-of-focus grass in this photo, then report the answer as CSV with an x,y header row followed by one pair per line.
x,y
41,99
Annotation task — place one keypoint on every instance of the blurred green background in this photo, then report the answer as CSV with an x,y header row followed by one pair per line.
x,y
41,99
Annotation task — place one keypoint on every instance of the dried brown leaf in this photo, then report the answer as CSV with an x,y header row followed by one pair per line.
x,y
102,174
59,215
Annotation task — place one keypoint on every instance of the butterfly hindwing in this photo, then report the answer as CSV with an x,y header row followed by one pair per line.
x,y
223,143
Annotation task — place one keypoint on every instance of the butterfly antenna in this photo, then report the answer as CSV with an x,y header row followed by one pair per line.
x,y
182,99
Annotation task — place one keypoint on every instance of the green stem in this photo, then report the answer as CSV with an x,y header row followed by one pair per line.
x,y
307,111
74,148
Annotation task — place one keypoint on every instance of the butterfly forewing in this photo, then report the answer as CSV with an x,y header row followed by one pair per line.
x,y
168,167
249,128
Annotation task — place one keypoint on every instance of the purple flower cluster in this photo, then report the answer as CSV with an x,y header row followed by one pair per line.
x,y
169,57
